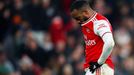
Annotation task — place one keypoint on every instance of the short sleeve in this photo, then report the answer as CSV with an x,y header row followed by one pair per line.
x,y
102,27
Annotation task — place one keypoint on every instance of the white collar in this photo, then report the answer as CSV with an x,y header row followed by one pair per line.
x,y
93,15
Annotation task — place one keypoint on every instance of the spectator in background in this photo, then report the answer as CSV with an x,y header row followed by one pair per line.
x,y
65,5
47,71
67,70
17,6
58,34
4,20
6,67
28,67
124,10
32,13
25,66
128,65
48,13
31,49
56,30
76,60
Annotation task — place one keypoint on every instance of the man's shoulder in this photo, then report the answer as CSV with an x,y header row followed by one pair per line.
x,y
100,17
100,22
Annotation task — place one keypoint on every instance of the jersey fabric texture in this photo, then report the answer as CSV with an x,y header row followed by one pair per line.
x,y
93,30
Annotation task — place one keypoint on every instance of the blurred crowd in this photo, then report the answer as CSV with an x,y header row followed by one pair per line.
x,y
39,37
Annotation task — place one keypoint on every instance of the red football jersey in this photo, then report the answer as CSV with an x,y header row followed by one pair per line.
x,y
93,31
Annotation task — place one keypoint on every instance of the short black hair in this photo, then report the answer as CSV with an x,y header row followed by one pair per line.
x,y
78,4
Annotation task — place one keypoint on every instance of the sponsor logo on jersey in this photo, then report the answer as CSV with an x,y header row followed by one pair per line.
x,y
90,42
101,26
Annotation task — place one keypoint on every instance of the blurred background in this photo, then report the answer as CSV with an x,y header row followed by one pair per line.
x,y
39,37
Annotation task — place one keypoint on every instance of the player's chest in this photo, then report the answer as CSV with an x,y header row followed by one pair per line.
x,y
88,32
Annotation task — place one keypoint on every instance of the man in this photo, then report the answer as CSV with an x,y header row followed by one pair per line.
x,y
6,67
98,37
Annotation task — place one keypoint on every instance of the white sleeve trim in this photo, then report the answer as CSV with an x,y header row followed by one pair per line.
x,y
101,27
107,47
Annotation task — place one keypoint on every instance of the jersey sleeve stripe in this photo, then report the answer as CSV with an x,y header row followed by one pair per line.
x,y
105,33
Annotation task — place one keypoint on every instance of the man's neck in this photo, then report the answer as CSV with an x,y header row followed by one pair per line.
x,y
89,16
90,13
